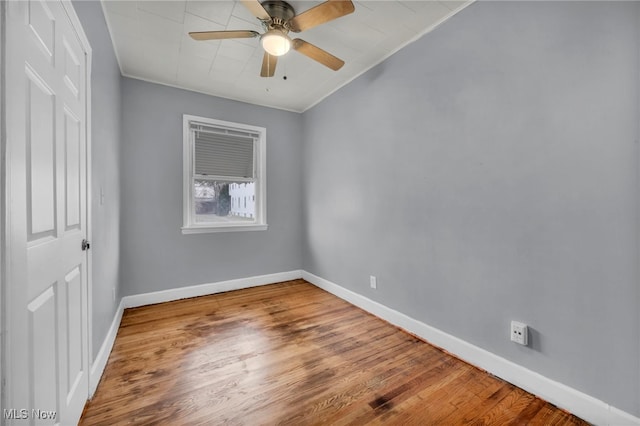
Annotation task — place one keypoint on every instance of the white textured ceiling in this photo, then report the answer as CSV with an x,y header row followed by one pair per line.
x,y
152,43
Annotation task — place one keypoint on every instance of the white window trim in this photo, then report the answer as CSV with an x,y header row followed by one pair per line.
x,y
189,225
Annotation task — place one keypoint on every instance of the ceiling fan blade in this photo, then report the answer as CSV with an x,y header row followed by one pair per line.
x,y
324,12
256,9
268,65
317,54
222,35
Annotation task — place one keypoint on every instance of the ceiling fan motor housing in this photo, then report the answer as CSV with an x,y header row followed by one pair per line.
x,y
280,12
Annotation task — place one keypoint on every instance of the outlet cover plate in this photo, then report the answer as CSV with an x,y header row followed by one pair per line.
x,y
519,333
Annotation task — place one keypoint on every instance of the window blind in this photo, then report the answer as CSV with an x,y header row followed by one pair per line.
x,y
223,152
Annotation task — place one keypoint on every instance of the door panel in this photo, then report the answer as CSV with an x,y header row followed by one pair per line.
x,y
74,329
43,355
40,143
42,25
72,67
72,169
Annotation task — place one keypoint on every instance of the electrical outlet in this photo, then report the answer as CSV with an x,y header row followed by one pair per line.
x,y
373,282
519,333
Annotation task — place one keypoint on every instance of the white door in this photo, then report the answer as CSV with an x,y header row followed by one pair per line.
x,y
46,276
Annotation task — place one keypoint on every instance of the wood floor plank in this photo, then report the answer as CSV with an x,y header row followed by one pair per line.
x,y
293,354
379,379
433,404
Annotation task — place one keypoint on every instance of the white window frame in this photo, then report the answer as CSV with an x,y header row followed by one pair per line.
x,y
190,226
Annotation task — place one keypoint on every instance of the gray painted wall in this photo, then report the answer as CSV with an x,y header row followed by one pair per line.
x,y
489,172
105,133
155,254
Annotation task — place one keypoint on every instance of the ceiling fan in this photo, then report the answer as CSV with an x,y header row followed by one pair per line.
x,y
278,18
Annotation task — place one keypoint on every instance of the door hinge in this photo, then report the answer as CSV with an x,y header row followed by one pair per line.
x,y
86,245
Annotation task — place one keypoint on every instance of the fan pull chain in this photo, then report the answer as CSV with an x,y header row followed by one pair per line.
x,y
284,77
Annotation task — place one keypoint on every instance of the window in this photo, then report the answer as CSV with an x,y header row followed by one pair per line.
x,y
223,163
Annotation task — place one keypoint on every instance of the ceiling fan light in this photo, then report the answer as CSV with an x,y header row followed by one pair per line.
x,y
275,42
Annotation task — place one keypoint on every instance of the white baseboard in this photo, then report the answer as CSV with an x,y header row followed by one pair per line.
x,y
99,364
576,402
205,289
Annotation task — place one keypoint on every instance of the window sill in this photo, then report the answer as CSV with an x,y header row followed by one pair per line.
x,y
227,228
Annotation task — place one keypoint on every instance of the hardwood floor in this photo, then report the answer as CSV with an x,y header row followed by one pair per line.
x,y
291,353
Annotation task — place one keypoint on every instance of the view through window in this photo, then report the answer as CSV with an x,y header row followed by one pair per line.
x,y
224,201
